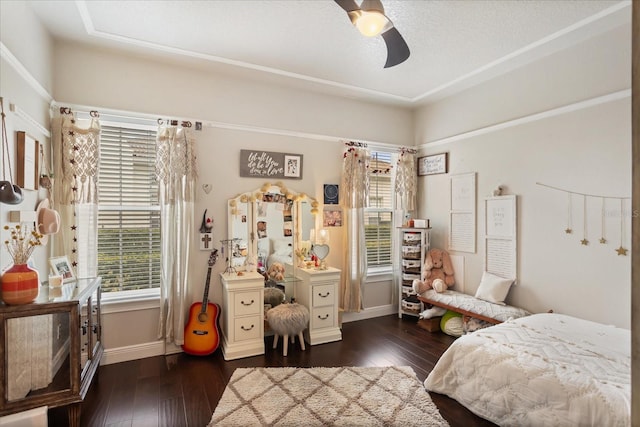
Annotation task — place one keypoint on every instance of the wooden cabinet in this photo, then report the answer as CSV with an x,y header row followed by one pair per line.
x,y
51,348
242,319
318,291
414,245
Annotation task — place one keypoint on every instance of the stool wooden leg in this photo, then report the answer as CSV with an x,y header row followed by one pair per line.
x,y
285,344
301,338
293,339
275,340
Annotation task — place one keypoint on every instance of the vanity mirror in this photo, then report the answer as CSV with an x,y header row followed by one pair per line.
x,y
270,224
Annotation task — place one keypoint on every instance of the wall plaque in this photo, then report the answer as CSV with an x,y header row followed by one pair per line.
x,y
267,164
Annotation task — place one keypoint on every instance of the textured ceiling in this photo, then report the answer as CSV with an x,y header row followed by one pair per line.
x,y
454,44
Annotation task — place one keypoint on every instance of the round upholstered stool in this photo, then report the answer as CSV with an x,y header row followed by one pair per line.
x,y
288,320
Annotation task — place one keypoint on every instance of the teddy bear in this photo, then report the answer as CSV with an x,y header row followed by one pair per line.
x,y
276,272
437,272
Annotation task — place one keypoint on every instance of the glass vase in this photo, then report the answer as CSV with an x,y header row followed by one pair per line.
x,y
19,285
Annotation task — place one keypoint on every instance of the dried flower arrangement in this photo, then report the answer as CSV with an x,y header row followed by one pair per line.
x,y
22,243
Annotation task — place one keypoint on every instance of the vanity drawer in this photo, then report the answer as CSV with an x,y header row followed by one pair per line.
x,y
322,318
247,303
323,295
247,328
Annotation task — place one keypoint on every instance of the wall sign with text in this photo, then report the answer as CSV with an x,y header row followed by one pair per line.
x,y
267,164
431,165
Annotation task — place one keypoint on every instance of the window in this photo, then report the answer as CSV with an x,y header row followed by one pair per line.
x,y
128,210
379,215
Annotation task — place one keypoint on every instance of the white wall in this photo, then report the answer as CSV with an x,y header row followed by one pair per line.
x,y
24,42
586,151
567,149
109,80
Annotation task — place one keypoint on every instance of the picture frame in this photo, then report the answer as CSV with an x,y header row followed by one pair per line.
x,y
501,239
27,161
292,166
61,265
433,164
462,213
331,194
269,164
332,217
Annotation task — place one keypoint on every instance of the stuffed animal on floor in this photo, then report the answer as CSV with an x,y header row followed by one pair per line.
x,y
437,273
432,312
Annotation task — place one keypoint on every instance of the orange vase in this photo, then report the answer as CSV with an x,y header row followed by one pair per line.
x,y
19,284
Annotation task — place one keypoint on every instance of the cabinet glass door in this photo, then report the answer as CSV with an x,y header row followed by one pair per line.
x,y
37,355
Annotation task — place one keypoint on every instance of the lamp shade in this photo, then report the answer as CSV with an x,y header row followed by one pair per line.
x,y
371,24
322,237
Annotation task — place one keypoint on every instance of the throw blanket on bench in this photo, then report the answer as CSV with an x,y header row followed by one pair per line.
x,y
471,306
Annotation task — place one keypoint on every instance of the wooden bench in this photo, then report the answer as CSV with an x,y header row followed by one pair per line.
x,y
468,305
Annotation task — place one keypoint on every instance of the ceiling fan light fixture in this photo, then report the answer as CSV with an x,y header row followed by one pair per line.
x,y
371,23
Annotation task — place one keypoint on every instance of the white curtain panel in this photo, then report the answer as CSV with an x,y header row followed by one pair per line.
x,y
406,182
176,174
76,157
354,194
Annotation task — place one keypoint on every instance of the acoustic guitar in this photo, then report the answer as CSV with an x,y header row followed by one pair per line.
x,y
201,334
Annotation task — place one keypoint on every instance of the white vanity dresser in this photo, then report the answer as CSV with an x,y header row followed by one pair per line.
x,y
242,315
318,291
269,225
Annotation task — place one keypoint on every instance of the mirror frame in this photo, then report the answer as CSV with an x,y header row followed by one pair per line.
x,y
251,197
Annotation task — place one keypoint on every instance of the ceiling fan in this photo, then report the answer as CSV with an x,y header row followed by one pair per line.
x,y
370,20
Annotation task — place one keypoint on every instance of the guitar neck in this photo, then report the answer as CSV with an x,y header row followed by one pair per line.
x,y
205,298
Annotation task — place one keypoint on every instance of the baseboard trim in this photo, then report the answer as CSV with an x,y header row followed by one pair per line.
x,y
157,348
369,313
132,352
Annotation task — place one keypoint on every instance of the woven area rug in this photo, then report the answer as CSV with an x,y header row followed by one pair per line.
x,y
346,396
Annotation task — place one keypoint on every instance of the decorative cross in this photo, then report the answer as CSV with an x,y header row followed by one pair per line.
x,y
206,238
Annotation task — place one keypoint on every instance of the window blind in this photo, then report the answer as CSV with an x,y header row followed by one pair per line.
x,y
128,210
378,216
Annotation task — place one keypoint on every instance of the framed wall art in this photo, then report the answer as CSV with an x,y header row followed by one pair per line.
x,y
331,194
500,252
61,266
27,164
462,213
332,217
433,164
267,164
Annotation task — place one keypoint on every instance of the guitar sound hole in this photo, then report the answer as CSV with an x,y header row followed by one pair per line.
x,y
247,303
323,318
246,329
203,317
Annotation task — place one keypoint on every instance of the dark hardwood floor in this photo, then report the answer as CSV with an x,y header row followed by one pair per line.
x,y
182,390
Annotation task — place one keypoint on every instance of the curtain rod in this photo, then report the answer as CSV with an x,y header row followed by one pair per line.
x,y
94,114
408,150
152,120
67,111
356,144
174,122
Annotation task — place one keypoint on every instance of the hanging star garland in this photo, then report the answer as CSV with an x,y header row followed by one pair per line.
x,y
621,250
568,230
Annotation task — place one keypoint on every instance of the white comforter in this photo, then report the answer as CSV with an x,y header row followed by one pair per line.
x,y
540,370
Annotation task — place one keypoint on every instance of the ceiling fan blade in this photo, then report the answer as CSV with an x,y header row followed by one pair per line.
x,y
348,5
397,49
351,7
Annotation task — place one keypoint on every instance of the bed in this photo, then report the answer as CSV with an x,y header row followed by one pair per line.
x,y
540,370
275,250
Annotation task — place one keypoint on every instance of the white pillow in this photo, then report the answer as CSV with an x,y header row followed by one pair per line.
x,y
493,288
264,247
282,247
